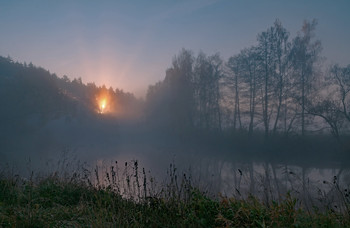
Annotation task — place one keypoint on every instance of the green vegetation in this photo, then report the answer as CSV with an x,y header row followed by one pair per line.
x,y
55,201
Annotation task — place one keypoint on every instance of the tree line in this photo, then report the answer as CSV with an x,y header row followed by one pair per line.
x,y
278,86
31,96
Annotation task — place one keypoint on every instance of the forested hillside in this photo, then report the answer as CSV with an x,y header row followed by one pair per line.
x,y
34,101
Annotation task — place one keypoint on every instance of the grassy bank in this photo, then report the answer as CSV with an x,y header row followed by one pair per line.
x,y
54,201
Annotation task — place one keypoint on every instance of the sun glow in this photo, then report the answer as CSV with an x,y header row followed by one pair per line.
x,y
102,105
105,102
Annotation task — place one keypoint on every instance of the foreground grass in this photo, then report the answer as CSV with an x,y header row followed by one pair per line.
x,y
53,202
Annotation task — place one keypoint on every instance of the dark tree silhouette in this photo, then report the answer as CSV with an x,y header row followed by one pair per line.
x,y
305,52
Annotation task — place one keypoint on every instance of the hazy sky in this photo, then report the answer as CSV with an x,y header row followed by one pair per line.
x,y
129,44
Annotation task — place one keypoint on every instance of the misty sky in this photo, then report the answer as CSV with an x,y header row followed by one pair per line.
x,y
129,44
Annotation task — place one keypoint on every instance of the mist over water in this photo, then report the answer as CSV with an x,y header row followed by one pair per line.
x,y
64,145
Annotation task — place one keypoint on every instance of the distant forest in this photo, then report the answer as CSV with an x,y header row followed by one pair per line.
x,y
33,94
31,97
278,87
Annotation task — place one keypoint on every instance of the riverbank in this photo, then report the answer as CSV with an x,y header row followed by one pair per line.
x,y
72,201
